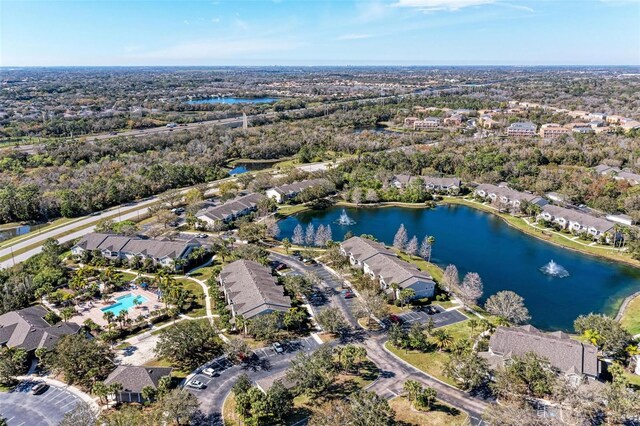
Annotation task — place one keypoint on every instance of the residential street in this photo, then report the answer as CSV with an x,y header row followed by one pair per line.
x,y
268,363
394,372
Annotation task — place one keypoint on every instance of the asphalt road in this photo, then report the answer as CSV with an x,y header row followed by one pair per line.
x,y
138,209
269,363
21,408
230,122
394,372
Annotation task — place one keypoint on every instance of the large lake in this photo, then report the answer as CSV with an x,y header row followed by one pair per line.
x,y
505,258
232,101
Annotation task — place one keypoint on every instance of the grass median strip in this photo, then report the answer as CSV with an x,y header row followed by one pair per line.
x,y
69,232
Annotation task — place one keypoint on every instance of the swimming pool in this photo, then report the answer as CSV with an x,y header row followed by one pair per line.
x,y
123,303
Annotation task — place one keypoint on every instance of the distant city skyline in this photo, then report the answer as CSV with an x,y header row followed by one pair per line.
x,y
287,32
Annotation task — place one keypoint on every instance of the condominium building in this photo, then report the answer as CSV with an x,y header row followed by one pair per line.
x,y
521,129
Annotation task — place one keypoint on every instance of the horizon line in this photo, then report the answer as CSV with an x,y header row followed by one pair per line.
x,y
321,65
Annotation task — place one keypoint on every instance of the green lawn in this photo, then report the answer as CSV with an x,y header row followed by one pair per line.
x,y
291,210
199,309
71,231
631,318
204,273
431,363
440,414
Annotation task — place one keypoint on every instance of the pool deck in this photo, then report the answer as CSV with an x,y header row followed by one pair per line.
x,y
93,310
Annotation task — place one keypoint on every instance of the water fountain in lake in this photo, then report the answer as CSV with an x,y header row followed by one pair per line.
x,y
554,270
344,219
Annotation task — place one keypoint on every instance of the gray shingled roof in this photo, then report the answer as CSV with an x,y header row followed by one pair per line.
x,y
511,194
135,378
383,262
395,270
295,187
441,181
602,225
567,355
157,249
27,329
231,207
253,289
364,248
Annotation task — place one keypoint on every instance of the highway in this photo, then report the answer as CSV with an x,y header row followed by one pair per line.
x,y
228,122
32,243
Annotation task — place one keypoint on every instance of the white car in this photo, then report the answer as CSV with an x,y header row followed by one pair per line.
x,y
210,372
196,384
278,347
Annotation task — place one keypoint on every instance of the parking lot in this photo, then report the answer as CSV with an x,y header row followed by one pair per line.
x,y
20,407
222,364
440,319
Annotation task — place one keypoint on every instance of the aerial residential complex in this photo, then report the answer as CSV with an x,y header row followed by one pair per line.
x,y
383,265
285,192
572,358
161,252
506,196
252,290
29,330
230,210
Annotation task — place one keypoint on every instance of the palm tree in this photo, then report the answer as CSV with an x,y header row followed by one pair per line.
x,y
114,389
593,336
431,240
395,287
442,339
473,323
121,317
108,316
412,388
67,313
406,295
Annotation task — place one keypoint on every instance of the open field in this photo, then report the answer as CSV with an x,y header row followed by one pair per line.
x,y
439,415
631,317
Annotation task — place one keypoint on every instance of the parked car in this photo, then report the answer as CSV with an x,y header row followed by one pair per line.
x,y
202,236
211,372
395,319
277,346
39,388
348,294
196,384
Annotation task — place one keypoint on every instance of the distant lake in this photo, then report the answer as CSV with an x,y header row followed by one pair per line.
x,y
505,258
376,129
232,101
6,234
253,166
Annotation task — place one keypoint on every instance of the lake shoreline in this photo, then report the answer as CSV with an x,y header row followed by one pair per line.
x,y
523,227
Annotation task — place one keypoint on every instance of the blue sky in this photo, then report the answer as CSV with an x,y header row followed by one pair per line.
x,y
310,32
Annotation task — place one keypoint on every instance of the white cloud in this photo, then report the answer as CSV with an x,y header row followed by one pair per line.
x,y
215,20
433,5
372,10
353,36
186,22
